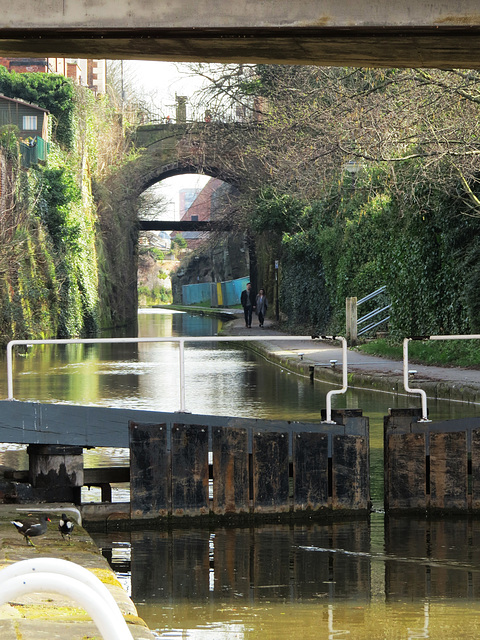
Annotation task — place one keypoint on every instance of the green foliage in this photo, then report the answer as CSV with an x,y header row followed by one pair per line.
x,y
461,353
276,212
60,192
179,241
156,253
46,90
158,295
9,141
355,240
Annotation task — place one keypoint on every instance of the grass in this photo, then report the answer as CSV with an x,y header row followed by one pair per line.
x,y
448,353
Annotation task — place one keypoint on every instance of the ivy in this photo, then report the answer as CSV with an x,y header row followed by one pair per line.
x,y
352,241
49,91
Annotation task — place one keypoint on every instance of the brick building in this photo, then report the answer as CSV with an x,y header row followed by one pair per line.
x,y
88,73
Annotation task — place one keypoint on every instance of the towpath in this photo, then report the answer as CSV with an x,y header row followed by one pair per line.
x,y
364,370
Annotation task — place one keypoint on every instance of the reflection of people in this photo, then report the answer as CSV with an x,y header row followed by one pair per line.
x,y
248,303
262,306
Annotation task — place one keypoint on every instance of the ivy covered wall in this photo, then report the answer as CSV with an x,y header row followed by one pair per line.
x,y
59,263
360,236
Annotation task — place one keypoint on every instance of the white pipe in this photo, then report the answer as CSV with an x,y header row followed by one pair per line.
x,y
474,336
59,567
107,619
421,392
344,380
9,371
181,352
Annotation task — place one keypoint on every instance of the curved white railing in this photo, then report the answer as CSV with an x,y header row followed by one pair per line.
x,y
421,392
328,401
54,575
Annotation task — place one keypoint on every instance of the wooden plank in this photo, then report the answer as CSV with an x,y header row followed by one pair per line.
x,y
270,472
230,470
405,471
350,473
448,470
102,475
149,471
476,469
189,470
310,471
87,426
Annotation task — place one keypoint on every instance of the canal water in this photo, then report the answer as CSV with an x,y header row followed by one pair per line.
x,y
371,578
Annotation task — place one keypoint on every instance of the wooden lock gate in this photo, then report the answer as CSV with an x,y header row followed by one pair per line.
x,y
239,467
431,466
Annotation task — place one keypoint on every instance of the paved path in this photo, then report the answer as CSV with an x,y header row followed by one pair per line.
x,y
321,353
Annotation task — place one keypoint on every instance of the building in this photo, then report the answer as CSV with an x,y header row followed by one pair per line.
x,y
87,73
31,120
208,203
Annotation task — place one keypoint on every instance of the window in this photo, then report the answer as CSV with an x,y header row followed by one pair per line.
x,y
194,218
29,123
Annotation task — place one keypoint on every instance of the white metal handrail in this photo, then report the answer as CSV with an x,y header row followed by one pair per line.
x,y
181,343
421,392
54,575
328,400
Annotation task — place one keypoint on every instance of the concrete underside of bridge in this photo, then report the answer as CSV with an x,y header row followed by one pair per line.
x,y
399,33
356,47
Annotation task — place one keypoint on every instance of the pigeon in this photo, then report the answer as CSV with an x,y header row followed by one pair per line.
x,y
65,526
31,528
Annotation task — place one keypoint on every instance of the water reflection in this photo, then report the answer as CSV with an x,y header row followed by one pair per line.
x,y
398,578
253,565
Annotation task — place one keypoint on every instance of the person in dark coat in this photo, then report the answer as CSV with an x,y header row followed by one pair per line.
x,y
248,302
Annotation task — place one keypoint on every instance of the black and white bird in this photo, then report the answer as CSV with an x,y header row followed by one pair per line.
x,y
31,528
65,526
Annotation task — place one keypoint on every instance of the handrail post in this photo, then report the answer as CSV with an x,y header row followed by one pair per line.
x,y
344,388
421,392
10,370
181,355
351,323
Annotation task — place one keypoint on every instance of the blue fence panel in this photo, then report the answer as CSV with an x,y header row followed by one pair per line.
x,y
196,293
233,291
207,292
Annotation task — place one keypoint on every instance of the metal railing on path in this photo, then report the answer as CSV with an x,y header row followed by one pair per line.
x,y
422,392
181,343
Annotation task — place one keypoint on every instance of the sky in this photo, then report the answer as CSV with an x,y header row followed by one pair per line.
x,y
159,82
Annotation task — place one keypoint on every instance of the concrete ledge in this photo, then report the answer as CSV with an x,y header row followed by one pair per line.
x,y
48,616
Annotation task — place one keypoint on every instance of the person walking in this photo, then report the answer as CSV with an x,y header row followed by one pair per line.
x,y
262,306
247,300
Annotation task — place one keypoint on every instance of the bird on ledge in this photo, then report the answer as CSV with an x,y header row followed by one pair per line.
x,y
65,526
31,528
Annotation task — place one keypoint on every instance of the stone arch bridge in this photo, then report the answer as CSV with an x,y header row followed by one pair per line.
x,y
166,150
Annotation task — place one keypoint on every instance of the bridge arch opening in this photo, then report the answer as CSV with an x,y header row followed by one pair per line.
x,y
182,238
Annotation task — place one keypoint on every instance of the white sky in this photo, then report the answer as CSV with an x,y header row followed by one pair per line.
x,y
159,82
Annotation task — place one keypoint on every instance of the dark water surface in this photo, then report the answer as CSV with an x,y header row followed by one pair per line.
x,y
372,578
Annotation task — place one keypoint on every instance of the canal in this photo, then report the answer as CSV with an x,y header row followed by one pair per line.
x,y
370,578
